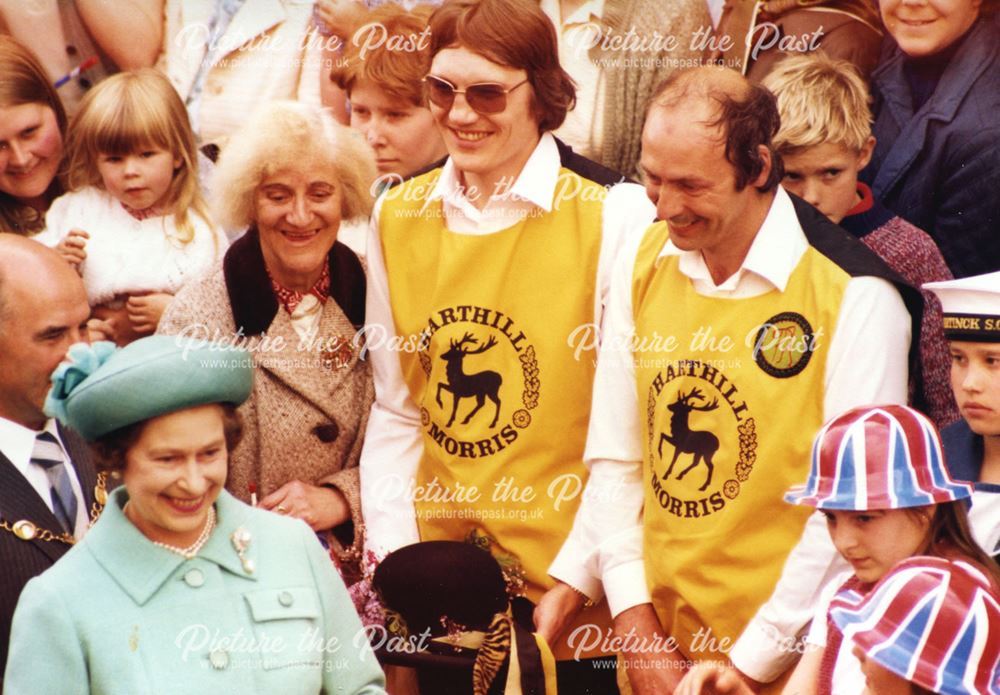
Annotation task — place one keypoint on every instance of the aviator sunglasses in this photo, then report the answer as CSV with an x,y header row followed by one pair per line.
x,y
483,97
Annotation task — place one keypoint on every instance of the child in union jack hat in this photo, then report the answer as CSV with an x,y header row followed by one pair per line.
x,y
930,625
878,475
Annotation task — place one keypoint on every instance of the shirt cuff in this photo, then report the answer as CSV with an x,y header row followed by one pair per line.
x,y
763,654
625,586
570,567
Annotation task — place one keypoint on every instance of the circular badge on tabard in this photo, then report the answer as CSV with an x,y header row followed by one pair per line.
x,y
783,345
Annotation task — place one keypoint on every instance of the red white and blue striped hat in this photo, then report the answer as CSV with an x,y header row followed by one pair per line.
x,y
877,457
931,621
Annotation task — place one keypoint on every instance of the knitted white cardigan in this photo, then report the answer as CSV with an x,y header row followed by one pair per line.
x,y
126,255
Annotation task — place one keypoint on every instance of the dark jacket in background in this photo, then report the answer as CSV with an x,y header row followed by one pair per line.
x,y
939,168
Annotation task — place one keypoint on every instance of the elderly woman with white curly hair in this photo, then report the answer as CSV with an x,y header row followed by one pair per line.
x,y
293,296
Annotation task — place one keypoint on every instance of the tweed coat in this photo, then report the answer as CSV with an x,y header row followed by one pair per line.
x,y
154,623
307,414
939,168
22,560
627,88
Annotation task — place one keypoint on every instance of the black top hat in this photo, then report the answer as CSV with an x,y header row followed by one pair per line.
x,y
455,594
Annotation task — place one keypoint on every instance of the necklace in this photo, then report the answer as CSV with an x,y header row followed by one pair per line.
x,y
192,550
28,530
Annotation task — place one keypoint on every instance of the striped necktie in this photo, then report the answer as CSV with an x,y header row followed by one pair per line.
x,y
49,455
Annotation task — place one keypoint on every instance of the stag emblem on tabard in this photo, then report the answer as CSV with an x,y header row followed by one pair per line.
x,y
701,444
478,385
676,415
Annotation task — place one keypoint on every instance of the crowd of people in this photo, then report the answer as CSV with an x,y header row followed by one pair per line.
x,y
500,346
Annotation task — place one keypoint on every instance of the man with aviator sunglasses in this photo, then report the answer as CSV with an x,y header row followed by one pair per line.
x,y
485,97
487,281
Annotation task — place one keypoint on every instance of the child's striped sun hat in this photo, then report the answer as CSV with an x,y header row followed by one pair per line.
x,y
931,621
877,457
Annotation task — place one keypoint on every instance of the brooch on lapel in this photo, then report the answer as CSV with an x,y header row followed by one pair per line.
x,y
241,541
337,352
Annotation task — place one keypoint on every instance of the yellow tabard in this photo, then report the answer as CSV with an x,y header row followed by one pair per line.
x,y
730,397
484,322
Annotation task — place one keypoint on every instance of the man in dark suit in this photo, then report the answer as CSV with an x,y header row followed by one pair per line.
x,y
47,479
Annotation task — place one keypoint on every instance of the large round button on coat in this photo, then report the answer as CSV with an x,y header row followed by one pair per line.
x,y
286,599
219,659
194,578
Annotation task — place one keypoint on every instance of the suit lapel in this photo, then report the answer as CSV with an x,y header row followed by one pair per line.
x,y
300,370
907,147
255,312
19,500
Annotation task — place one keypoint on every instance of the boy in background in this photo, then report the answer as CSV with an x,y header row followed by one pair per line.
x,y
381,71
824,141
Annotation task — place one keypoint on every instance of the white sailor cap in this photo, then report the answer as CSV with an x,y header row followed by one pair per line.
x,y
971,307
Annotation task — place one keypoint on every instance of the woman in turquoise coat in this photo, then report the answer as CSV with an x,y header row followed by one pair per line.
x,y
179,587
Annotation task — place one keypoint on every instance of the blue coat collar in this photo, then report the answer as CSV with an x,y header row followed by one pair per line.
x,y
972,59
963,453
975,56
141,568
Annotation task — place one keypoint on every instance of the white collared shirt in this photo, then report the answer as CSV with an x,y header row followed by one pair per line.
x,y
533,189
873,330
769,262
17,443
393,443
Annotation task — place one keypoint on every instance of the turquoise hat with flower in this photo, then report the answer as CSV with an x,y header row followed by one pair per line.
x,y
100,389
